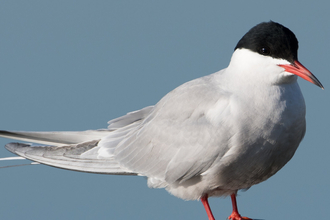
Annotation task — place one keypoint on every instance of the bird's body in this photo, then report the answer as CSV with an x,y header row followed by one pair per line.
x,y
211,136
219,142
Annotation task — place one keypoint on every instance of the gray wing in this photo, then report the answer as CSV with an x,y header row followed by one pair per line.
x,y
172,141
177,140
68,157
75,150
55,138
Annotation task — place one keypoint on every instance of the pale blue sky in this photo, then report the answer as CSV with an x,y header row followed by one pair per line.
x,y
74,65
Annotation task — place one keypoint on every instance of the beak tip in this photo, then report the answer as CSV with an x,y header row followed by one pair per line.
x,y
317,82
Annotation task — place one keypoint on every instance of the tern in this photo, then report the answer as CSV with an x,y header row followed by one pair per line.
x,y
211,136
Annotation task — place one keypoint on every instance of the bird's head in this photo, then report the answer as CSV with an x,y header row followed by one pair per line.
x,y
273,43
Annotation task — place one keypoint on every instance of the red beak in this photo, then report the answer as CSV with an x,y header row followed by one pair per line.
x,y
298,69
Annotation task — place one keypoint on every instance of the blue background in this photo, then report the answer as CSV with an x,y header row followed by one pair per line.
x,y
74,65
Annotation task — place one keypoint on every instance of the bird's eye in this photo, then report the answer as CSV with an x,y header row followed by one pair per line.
x,y
264,51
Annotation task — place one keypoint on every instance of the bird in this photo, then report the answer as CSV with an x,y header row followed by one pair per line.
x,y
209,137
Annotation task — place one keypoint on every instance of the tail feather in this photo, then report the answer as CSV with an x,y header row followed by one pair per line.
x,y
69,157
55,138
78,150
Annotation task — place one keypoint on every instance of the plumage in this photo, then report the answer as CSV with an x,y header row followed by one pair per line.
x,y
211,136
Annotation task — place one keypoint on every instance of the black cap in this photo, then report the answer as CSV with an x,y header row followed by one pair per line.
x,y
271,39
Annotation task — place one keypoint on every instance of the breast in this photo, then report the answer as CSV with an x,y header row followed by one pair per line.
x,y
265,136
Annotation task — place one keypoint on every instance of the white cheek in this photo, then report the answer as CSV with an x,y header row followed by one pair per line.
x,y
259,70
280,61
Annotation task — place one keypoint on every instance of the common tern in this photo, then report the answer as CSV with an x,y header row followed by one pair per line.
x,y
211,136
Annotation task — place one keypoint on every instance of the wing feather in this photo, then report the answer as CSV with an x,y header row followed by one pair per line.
x,y
68,157
173,141
169,142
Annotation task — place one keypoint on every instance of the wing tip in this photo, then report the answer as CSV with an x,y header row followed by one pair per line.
x,y
16,147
